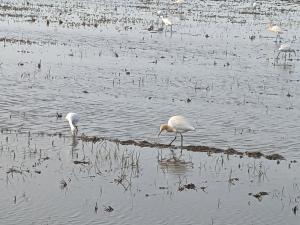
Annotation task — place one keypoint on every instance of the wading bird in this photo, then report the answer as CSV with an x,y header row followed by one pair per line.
x,y
177,125
275,29
254,4
166,22
73,119
159,13
284,49
179,3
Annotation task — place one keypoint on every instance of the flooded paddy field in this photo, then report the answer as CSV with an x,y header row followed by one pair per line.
x,y
61,180
115,64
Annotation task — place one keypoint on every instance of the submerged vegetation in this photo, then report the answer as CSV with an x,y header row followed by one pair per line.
x,y
125,71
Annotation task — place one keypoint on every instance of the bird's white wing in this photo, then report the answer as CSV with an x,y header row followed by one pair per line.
x,y
180,123
284,46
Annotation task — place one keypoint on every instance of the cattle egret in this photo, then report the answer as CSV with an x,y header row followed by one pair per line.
x,y
275,29
284,49
73,119
177,125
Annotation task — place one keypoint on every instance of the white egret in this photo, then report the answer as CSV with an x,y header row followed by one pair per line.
x,y
254,4
177,125
275,29
284,49
159,13
73,119
166,22
179,3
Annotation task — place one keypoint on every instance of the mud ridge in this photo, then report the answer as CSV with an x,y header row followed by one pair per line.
x,y
193,148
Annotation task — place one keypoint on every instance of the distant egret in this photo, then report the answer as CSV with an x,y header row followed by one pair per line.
x,y
179,3
284,49
254,4
166,22
275,29
159,13
177,125
73,119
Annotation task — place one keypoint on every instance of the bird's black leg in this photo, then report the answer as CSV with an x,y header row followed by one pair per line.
x,y
173,139
181,139
285,57
277,37
181,142
277,58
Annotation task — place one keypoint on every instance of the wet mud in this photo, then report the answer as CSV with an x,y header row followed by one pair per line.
x,y
192,148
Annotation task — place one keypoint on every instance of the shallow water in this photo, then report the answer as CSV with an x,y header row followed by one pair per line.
x,y
124,81
102,62
240,97
49,185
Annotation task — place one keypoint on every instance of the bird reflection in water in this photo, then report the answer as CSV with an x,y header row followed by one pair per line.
x,y
74,148
174,165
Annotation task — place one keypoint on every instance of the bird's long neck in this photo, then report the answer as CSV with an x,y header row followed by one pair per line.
x,y
73,128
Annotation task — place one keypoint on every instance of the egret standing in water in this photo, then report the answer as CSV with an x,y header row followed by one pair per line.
x,y
177,125
179,3
166,22
73,119
254,4
275,29
284,49
159,13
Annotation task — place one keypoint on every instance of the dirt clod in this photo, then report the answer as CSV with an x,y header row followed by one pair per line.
x,y
108,208
187,186
274,157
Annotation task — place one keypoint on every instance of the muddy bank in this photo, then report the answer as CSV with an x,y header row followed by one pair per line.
x,y
193,148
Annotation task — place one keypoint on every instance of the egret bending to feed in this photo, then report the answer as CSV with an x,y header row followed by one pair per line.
x,y
275,29
73,119
285,48
177,125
